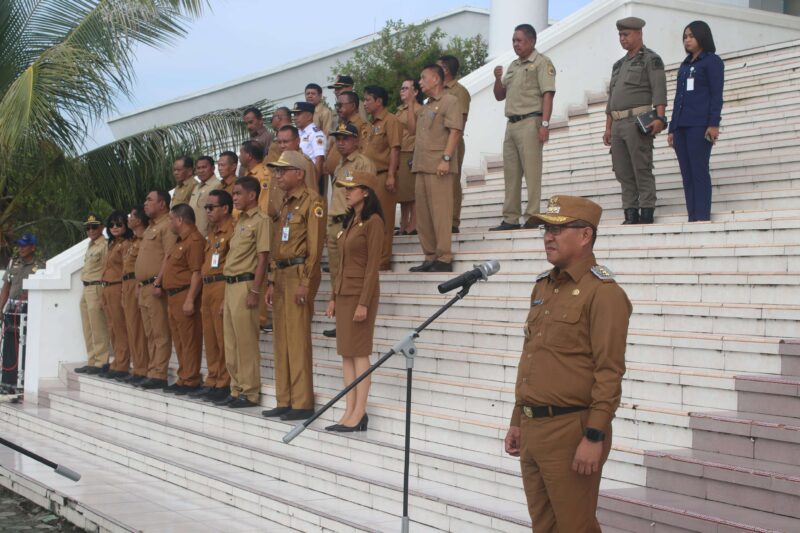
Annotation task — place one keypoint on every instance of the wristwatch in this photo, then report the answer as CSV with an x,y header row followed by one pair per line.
x,y
545,124
663,119
594,435
446,157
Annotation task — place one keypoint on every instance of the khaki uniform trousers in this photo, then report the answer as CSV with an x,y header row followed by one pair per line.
x,y
522,154
434,198
294,385
95,328
213,336
242,353
632,160
558,498
333,230
117,328
388,201
137,342
156,328
458,193
187,333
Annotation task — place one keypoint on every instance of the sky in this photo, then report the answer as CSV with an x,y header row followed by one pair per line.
x,y
236,38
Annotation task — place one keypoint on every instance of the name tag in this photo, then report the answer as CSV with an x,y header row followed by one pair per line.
x,y
690,84
215,260
285,234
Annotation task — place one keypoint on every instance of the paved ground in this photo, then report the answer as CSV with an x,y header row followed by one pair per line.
x,y
19,514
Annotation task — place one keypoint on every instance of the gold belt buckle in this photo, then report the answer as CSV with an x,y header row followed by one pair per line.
x,y
528,411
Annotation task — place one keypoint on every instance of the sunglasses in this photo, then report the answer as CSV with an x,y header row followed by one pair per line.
x,y
116,225
210,207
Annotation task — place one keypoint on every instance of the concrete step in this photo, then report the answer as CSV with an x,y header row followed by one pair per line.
x,y
772,395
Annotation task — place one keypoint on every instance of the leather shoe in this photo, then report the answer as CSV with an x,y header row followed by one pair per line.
x,y
455,229
240,402
505,226
133,379
217,394
424,267
172,388
226,400
82,369
183,390
531,224
297,414
152,383
276,411
333,427
441,266
200,392
361,426
330,333
93,370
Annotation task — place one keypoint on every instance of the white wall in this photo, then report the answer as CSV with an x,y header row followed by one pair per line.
x,y
584,46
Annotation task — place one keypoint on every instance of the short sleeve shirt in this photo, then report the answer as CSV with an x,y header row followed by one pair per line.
x,y
250,238
157,241
407,142
526,81
184,259
385,133
218,242
17,271
438,116
313,141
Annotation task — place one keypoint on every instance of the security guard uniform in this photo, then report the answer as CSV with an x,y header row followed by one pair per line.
x,y
17,272
113,306
95,327
464,98
569,380
137,341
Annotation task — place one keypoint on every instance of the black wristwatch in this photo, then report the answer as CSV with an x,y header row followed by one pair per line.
x,y
594,435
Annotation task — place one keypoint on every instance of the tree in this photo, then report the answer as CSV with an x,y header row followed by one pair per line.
x,y
401,51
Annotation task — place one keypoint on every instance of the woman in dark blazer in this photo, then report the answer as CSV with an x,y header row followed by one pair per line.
x,y
694,127
355,292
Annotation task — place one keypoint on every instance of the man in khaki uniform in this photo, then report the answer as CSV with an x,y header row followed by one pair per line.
x,y
569,380
344,84
181,281
219,207
183,172
254,121
438,128
528,89
288,140
298,235
450,65
347,110
280,117
137,340
323,116
157,241
382,147
95,328
208,182
226,164
638,84
244,275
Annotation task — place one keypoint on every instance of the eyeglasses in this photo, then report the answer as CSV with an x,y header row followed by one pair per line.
x,y
210,207
556,230
92,227
338,105
116,225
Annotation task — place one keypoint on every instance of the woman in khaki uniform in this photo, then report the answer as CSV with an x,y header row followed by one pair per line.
x,y
354,298
411,103
137,342
119,241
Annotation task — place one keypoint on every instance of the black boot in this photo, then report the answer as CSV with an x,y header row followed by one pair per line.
x,y
647,215
631,216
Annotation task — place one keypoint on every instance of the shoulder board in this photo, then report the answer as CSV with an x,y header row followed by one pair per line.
x,y
543,275
619,62
603,273
314,127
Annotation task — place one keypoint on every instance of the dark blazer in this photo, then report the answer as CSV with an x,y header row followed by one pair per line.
x,y
703,105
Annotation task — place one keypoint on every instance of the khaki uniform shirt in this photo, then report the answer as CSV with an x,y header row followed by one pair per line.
x,y
114,257
575,338
129,254
218,242
250,238
262,137
637,81
460,92
198,201
526,81
273,154
385,133
333,157
359,260
17,272
94,262
183,192
323,118
407,142
351,163
300,232
184,259
438,116
264,176
157,241
228,183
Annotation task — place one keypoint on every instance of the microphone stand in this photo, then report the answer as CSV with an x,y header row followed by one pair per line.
x,y
58,469
406,347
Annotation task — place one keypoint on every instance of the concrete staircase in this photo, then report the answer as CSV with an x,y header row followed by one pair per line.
x,y
707,437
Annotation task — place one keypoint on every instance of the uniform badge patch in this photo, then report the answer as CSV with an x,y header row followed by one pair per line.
x,y
320,140
551,70
318,211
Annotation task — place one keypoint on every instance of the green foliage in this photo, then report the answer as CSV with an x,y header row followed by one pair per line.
x,y
401,51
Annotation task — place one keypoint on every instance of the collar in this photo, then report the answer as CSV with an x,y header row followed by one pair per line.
x,y
576,271
352,157
158,220
184,183
251,212
224,227
229,181
530,59
437,97
689,61
380,115
258,133
297,193
187,234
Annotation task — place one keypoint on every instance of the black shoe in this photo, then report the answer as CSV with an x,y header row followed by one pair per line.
x,y
531,224
297,414
217,394
647,215
455,229
82,369
226,400
153,383
200,392
133,379
93,370
440,266
240,402
184,390
361,426
631,215
120,375
276,411
172,388
412,232
505,226
330,333
334,427
421,268
326,269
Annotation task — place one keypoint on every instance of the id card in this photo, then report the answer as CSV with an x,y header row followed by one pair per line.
x,y
285,234
215,260
690,84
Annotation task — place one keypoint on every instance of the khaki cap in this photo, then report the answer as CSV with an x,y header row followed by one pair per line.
x,y
359,178
290,159
93,220
566,209
630,23
345,130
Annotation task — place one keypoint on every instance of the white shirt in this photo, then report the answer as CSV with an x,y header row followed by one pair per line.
x,y
312,141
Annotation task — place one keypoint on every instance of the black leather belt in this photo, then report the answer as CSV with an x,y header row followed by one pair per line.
x,y
146,282
517,118
176,290
213,279
542,411
337,219
91,283
128,276
241,277
107,283
285,263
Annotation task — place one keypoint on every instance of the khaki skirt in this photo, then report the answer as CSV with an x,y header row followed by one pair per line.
x,y
406,180
354,339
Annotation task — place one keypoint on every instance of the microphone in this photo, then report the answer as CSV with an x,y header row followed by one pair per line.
x,y
479,272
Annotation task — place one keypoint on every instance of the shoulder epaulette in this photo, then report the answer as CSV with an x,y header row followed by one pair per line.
x,y
543,275
603,273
